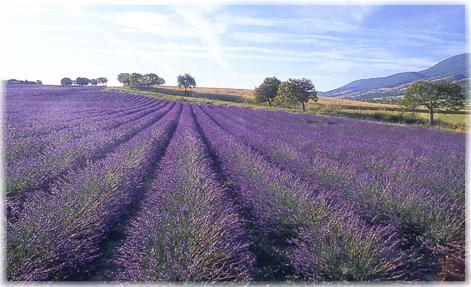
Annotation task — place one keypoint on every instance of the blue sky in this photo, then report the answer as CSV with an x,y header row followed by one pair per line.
x,y
230,46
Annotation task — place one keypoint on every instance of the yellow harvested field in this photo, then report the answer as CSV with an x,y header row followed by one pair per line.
x,y
346,102
245,93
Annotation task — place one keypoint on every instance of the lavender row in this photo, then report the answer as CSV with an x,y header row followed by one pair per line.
x,y
58,236
30,174
424,217
59,117
85,97
286,212
436,164
84,101
17,148
55,109
430,159
187,229
430,223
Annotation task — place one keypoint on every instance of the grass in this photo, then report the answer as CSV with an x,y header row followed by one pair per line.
x,y
325,106
446,121
235,93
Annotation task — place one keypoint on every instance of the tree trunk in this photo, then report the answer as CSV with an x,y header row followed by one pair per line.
x,y
304,108
430,117
269,103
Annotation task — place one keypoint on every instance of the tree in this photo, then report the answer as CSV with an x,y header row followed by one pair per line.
x,y
15,81
267,90
94,82
66,82
136,80
186,81
85,81
152,79
102,80
434,96
82,81
125,79
297,90
161,81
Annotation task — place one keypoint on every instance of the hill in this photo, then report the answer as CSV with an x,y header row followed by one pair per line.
x,y
453,69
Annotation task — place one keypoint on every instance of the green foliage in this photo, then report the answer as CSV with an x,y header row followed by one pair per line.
x,y
125,79
434,96
102,80
14,81
267,90
81,81
152,79
66,82
296,90
186,81
137,80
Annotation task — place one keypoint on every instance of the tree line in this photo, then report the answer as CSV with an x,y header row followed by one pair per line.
x,y
15,81
82,81
439,96
136,80
275,92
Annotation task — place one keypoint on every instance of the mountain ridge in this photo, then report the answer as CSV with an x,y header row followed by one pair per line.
x,y
452,69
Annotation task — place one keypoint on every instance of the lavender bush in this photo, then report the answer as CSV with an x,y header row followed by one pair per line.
x,y
187,229
57,234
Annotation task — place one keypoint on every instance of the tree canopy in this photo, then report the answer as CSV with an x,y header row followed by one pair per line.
x,y
152,79
296,90
15,81
125,79
267,90
66,82
186,81
137,80
434,96
102,80
82,81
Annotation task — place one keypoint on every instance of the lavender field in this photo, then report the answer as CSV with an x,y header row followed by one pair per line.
x,y
106,185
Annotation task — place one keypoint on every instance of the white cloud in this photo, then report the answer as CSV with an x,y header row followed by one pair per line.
x,y
208,33
150,23
291,38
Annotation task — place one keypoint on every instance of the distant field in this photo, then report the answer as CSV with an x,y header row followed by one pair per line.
x,y
224,94
329,106
244,93
345,103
